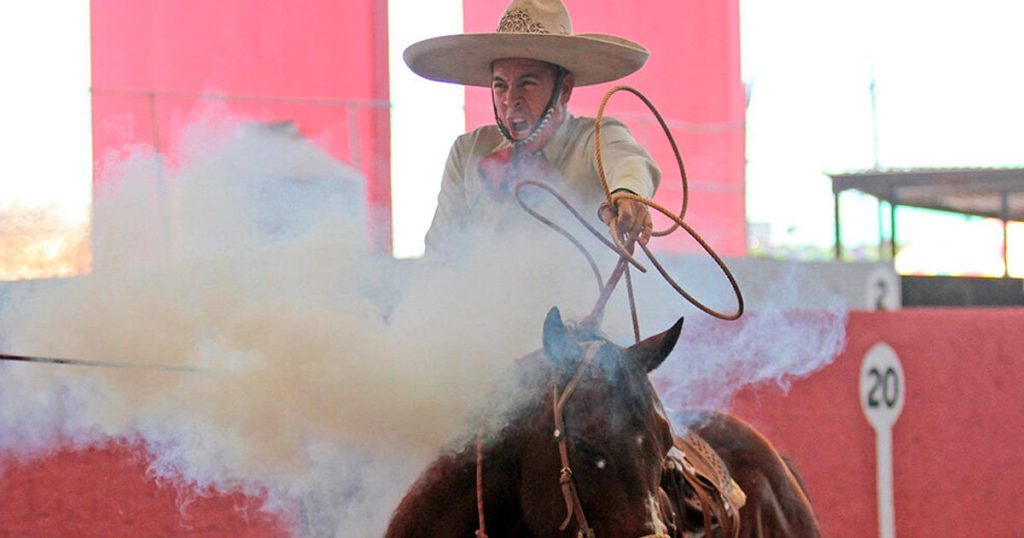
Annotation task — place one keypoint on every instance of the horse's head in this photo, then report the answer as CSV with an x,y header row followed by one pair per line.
x,y
603,420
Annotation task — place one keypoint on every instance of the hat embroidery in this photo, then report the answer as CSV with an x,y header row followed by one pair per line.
x,y
518,20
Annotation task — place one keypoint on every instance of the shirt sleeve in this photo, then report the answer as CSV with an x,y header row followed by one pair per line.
x,y
452,212
627,164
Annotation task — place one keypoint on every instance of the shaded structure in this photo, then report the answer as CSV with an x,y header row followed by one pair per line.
x,y
987,192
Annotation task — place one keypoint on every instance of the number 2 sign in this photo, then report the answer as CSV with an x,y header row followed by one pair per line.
x,y
882,389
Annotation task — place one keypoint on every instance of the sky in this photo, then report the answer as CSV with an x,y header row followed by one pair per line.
x,y
947,87
44,88
947,94
418,102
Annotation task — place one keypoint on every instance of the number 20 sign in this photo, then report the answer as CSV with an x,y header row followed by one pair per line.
x,y
882,386
882,389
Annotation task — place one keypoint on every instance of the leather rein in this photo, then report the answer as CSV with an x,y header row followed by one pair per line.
x,y
573,505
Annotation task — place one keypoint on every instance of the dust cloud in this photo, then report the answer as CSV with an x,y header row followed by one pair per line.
x,y
324,371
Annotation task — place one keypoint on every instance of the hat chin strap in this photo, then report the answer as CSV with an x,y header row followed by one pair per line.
x,y
556,92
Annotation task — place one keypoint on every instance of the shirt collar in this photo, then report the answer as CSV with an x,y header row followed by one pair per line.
x,y
553,147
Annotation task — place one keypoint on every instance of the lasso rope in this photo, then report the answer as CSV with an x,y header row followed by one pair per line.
x,y
100,364
625,250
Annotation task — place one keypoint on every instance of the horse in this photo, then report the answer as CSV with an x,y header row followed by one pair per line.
x,y
583,452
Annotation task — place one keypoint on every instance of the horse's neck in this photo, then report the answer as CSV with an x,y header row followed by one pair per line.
x,y
443,502
499,486
528,423
501,451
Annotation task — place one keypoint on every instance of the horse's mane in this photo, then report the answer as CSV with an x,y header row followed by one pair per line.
x,y
585,332
517,393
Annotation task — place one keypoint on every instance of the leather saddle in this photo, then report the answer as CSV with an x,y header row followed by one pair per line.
x,y
705,498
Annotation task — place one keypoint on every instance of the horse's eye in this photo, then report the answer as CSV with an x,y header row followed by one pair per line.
x,y
581,446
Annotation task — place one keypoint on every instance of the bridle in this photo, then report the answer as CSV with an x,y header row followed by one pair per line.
x,y
573,505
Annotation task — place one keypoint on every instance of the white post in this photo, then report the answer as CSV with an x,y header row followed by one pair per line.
x,y
886,502
882,393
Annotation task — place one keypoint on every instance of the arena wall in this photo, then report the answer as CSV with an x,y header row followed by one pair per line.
x,y
957,460
956,447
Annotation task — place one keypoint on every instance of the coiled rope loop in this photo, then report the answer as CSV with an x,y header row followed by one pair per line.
x,y
625,249
677,219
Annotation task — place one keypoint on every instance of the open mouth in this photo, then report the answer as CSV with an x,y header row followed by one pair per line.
x,y
519,126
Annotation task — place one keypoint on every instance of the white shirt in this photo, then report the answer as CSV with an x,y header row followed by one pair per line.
x,y
466,204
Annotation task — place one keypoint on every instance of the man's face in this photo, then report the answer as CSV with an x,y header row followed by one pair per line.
x,y
521,90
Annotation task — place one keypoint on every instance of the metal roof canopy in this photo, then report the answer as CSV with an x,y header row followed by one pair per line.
x,y
987,192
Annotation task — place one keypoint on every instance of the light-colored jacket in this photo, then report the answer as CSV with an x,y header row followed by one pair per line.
x,y
465,203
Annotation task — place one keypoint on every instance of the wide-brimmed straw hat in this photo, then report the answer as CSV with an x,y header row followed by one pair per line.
x,y
534,29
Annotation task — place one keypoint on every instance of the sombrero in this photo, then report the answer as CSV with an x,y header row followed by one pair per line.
x,y
534,29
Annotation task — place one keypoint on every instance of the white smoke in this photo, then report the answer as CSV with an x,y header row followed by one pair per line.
x,y
792,326
325,373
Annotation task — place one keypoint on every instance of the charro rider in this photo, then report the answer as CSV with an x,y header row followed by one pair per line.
x,y
532,63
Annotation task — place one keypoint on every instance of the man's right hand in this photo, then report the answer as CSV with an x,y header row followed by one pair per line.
x,y
632,218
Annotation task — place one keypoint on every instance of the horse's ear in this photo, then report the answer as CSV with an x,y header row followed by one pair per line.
x,y
554,335
651,352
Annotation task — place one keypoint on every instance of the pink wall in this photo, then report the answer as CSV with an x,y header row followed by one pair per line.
x,y
320,63
323,65
957,457
107,492
692,77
